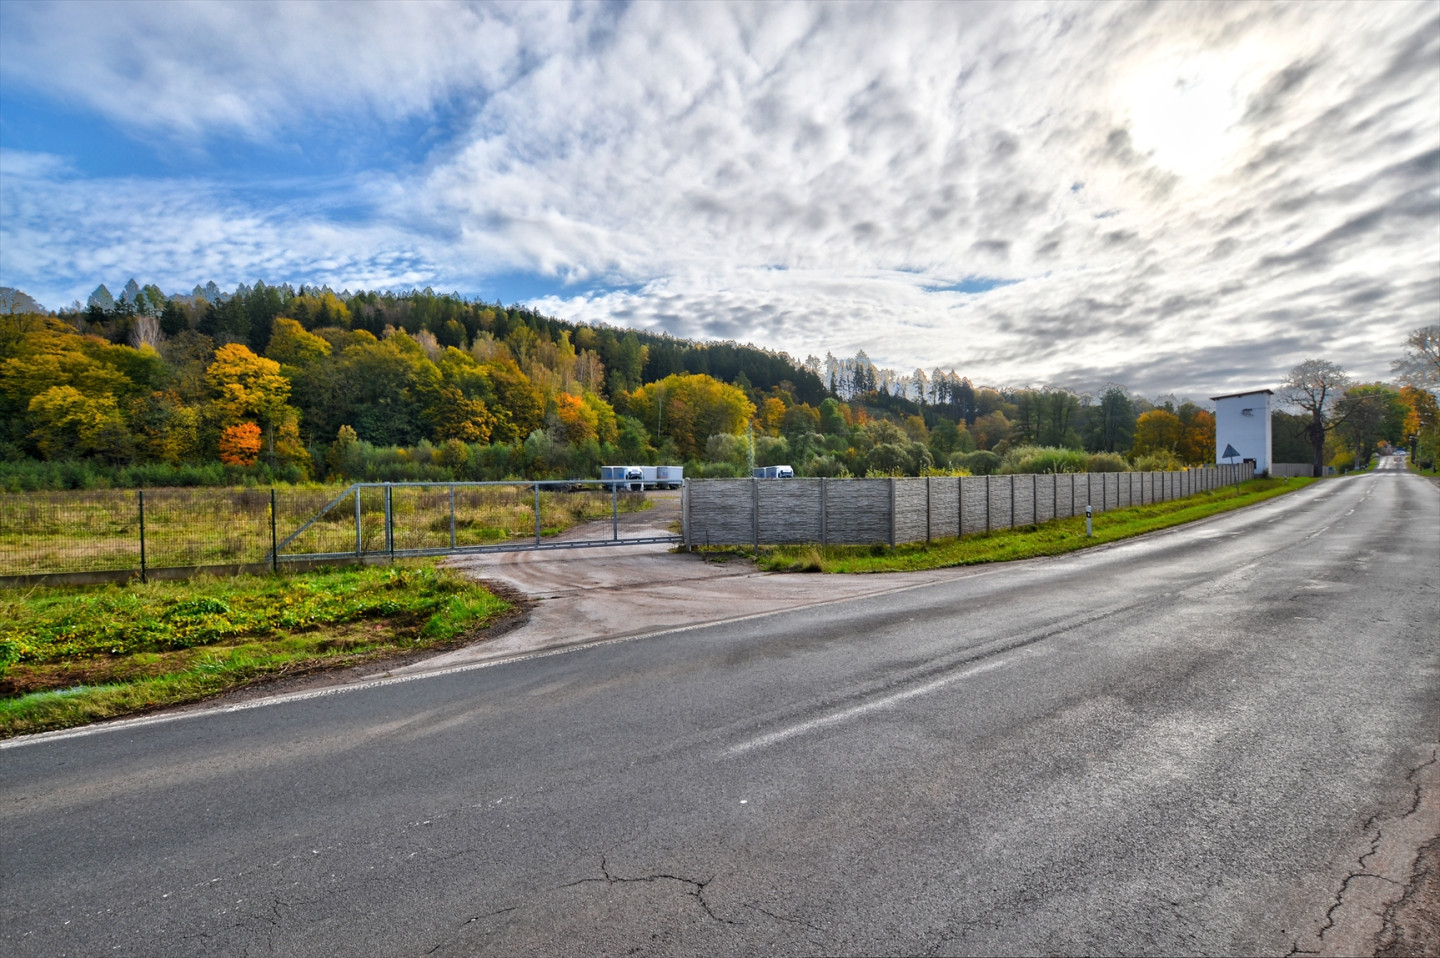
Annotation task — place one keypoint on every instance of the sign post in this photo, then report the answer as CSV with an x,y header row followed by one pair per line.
x,y
1232,455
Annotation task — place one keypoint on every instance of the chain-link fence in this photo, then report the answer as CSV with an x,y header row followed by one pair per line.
x,y
154,530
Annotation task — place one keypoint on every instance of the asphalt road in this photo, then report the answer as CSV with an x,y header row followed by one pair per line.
x,y
1181,744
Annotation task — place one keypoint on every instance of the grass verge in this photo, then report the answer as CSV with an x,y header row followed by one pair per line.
x,y
75,655
1027,542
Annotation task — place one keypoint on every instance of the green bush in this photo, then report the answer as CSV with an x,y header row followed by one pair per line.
x,y
980,463
1106,462
1043,460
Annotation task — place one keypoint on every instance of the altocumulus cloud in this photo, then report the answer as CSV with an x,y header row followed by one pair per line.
x,y
1183,197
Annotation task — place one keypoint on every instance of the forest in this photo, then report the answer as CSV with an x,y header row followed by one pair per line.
x,y
277,383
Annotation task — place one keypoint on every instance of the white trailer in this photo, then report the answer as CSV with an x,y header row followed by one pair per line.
x,y
774,472
640,478
629,478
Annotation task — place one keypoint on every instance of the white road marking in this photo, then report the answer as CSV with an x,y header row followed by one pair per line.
x,y
845,715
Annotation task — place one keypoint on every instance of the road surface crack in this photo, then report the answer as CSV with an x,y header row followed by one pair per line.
x,y
785,918
1362,870
695,888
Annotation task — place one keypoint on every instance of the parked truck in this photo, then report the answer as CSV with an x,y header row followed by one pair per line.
x,y
640,478
629,478
774,472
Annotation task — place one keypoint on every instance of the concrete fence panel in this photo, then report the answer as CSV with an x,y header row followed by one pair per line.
x,y
864,511
912,506
944,506
974,505
790,511
859,510
722,512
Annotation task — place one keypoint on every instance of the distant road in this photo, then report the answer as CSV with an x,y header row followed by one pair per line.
x,y
1178,744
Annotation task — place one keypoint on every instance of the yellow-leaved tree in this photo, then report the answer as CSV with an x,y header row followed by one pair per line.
x,y
689,409
245,388
1157,431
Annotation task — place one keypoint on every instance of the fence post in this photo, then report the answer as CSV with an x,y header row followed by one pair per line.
x,y
390,521
452,515
537,513
987,503
928,482
141,494
892,512
755,512
824,514
960,507
1034,499
274,542
615,511
358,543
1012,501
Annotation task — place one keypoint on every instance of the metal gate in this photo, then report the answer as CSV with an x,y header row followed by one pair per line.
x,y
371,520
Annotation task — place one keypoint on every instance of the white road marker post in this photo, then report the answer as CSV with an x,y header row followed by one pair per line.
x,y
1089,529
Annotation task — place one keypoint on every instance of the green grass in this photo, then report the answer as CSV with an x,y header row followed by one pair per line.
x,y
70,656
1047,539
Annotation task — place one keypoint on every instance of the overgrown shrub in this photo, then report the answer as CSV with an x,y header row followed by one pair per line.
x,y
982,463
1043,460
1106,462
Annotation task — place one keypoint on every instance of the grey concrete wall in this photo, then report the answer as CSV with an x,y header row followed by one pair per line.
x,y
863,511
1292,470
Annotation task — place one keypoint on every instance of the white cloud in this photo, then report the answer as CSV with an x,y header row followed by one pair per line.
x,y
1189,197
192,67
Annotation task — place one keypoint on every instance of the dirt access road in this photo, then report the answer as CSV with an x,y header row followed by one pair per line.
x,y
583,596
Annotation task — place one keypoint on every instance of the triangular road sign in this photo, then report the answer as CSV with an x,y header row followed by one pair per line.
x,y
1229,452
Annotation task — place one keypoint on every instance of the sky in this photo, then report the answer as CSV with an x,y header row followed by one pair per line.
x,y
1183,198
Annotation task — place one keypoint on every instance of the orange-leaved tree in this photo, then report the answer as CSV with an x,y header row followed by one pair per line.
x,y
1198,444
240,444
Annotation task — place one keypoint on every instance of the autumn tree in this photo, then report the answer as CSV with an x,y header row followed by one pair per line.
x,y
291,345
240,444
1422,423
245,387
1315,386
688,409
71,424
1157,431
1198,443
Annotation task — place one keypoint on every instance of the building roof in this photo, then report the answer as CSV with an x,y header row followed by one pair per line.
x,y
1253,392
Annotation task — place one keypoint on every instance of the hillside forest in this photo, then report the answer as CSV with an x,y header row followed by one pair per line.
x,y
274,383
